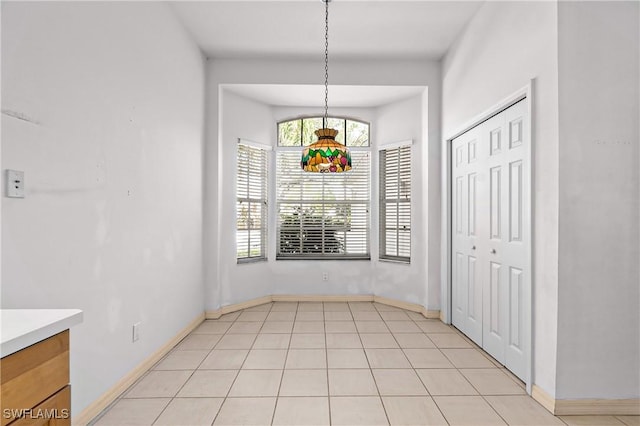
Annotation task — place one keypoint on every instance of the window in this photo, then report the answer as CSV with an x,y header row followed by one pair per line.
x,y
322,216
395,204
299,132
251,203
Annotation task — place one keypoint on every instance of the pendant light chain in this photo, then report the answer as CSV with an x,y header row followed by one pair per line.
x,y
326,64
326,155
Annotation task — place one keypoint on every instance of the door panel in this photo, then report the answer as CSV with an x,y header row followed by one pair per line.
x,y
515,131
495,137
494,321
515,201
471,204
459,204
494,300
459,154
515,308
471,149
461,289
474,303
495,210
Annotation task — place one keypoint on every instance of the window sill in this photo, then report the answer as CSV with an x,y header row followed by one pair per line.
x,y
367,258
244,260
397,261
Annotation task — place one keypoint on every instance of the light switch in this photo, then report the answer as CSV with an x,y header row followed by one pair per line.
x,y
15,184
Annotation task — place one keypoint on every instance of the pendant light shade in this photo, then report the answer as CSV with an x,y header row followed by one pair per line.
x,y
326,155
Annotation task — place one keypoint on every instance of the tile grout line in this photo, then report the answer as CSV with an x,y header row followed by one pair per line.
x,y
458,370
371,370
183,385
173,350
499,368
326,356
464,377
416,372
190,376
471,384
224,399
275,405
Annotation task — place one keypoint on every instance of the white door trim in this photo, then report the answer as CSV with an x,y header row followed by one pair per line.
x,y
445,303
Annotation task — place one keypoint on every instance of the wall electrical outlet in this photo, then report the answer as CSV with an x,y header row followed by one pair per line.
x,y
136,332
15,184
325,276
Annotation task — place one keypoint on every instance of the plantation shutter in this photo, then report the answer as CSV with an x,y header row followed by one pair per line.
x,y
395,204
322,215
251,203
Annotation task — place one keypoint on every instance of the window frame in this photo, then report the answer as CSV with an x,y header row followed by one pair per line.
x,y
263,201
324,176
384,201
316,117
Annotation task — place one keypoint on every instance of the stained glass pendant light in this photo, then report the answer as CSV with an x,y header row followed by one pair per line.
x,y
326,155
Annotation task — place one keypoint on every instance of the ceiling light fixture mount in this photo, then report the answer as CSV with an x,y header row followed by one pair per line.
x,y
326,155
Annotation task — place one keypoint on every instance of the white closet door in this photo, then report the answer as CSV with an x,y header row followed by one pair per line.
x,y
467,282
495,301
516,223
489,205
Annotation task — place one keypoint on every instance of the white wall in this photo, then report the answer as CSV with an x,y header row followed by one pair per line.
x,y
504,46
112,219
396,122
246,119
287,273
599,291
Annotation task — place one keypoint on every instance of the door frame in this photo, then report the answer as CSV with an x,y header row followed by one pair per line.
x,y
525,92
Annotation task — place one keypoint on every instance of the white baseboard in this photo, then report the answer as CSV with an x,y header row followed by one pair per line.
x,y
413,307
546,400
597,407
237,307
321,298
586,407
432,314
96,407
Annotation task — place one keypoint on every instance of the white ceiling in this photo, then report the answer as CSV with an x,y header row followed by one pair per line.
x,y
358,29
298,95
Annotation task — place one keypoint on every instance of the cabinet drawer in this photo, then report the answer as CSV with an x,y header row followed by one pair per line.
x,y
30,376
52,412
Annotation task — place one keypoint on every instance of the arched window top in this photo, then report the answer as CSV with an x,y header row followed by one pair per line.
x,y
299,131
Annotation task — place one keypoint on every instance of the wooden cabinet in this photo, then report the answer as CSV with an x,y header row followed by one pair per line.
x,y
34,382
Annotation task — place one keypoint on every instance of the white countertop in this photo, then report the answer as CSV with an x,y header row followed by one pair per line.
x,y
20,328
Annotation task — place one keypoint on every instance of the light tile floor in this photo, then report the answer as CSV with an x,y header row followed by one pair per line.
x,y
331,363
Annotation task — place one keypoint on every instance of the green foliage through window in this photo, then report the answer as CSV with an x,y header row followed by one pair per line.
x,y
300,131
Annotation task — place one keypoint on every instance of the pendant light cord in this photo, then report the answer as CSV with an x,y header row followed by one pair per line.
x,y
326,63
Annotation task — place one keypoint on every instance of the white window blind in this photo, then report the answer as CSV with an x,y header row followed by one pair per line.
x,y
395,204
251,203
321,215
